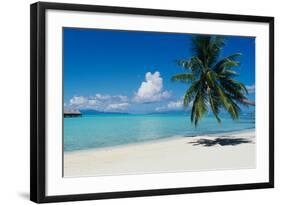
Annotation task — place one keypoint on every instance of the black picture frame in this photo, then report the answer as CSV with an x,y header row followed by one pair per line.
x,y
38,101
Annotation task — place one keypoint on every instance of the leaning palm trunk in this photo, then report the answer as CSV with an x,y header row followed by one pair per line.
x,y
211,83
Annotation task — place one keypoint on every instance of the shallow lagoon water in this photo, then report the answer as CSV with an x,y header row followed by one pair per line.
x,y
105,130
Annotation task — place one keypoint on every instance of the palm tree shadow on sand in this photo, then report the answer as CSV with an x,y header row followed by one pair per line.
x,y
223,141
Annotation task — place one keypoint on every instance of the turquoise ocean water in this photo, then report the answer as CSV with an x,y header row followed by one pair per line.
x,y
104,130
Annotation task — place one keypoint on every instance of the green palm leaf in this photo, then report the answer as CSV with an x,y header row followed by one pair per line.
x,y
199,107
211,81
215,105
183,77
227,62
191,92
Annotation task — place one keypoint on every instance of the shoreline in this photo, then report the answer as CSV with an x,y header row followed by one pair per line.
x,y
228,150
162,139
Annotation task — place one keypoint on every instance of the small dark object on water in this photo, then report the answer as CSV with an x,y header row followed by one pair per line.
x,y
72,114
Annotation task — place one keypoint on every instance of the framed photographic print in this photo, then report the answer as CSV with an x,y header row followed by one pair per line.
x,y
129,102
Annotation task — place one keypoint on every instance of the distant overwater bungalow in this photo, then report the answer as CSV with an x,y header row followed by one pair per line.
x,y
72,113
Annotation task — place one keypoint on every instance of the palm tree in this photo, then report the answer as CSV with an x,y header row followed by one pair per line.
x,y
211,80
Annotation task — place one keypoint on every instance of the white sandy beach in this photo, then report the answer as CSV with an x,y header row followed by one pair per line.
x,y
222,151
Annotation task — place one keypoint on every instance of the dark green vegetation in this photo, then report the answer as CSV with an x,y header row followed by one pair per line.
x,y
211,81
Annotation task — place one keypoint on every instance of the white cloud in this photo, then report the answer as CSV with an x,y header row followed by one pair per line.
x,y
151,89
101,97
251,88
93,102
78,100
99,102
173,105
117,107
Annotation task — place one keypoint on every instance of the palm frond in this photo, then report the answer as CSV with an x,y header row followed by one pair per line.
x,y
235,85
211,81
200,46
199,108
230,73
211,78
227,63
230,106
215,105
194,64
191,92
214,49
183,77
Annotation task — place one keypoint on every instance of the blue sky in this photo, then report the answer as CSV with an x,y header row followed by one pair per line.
x,y
127,71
